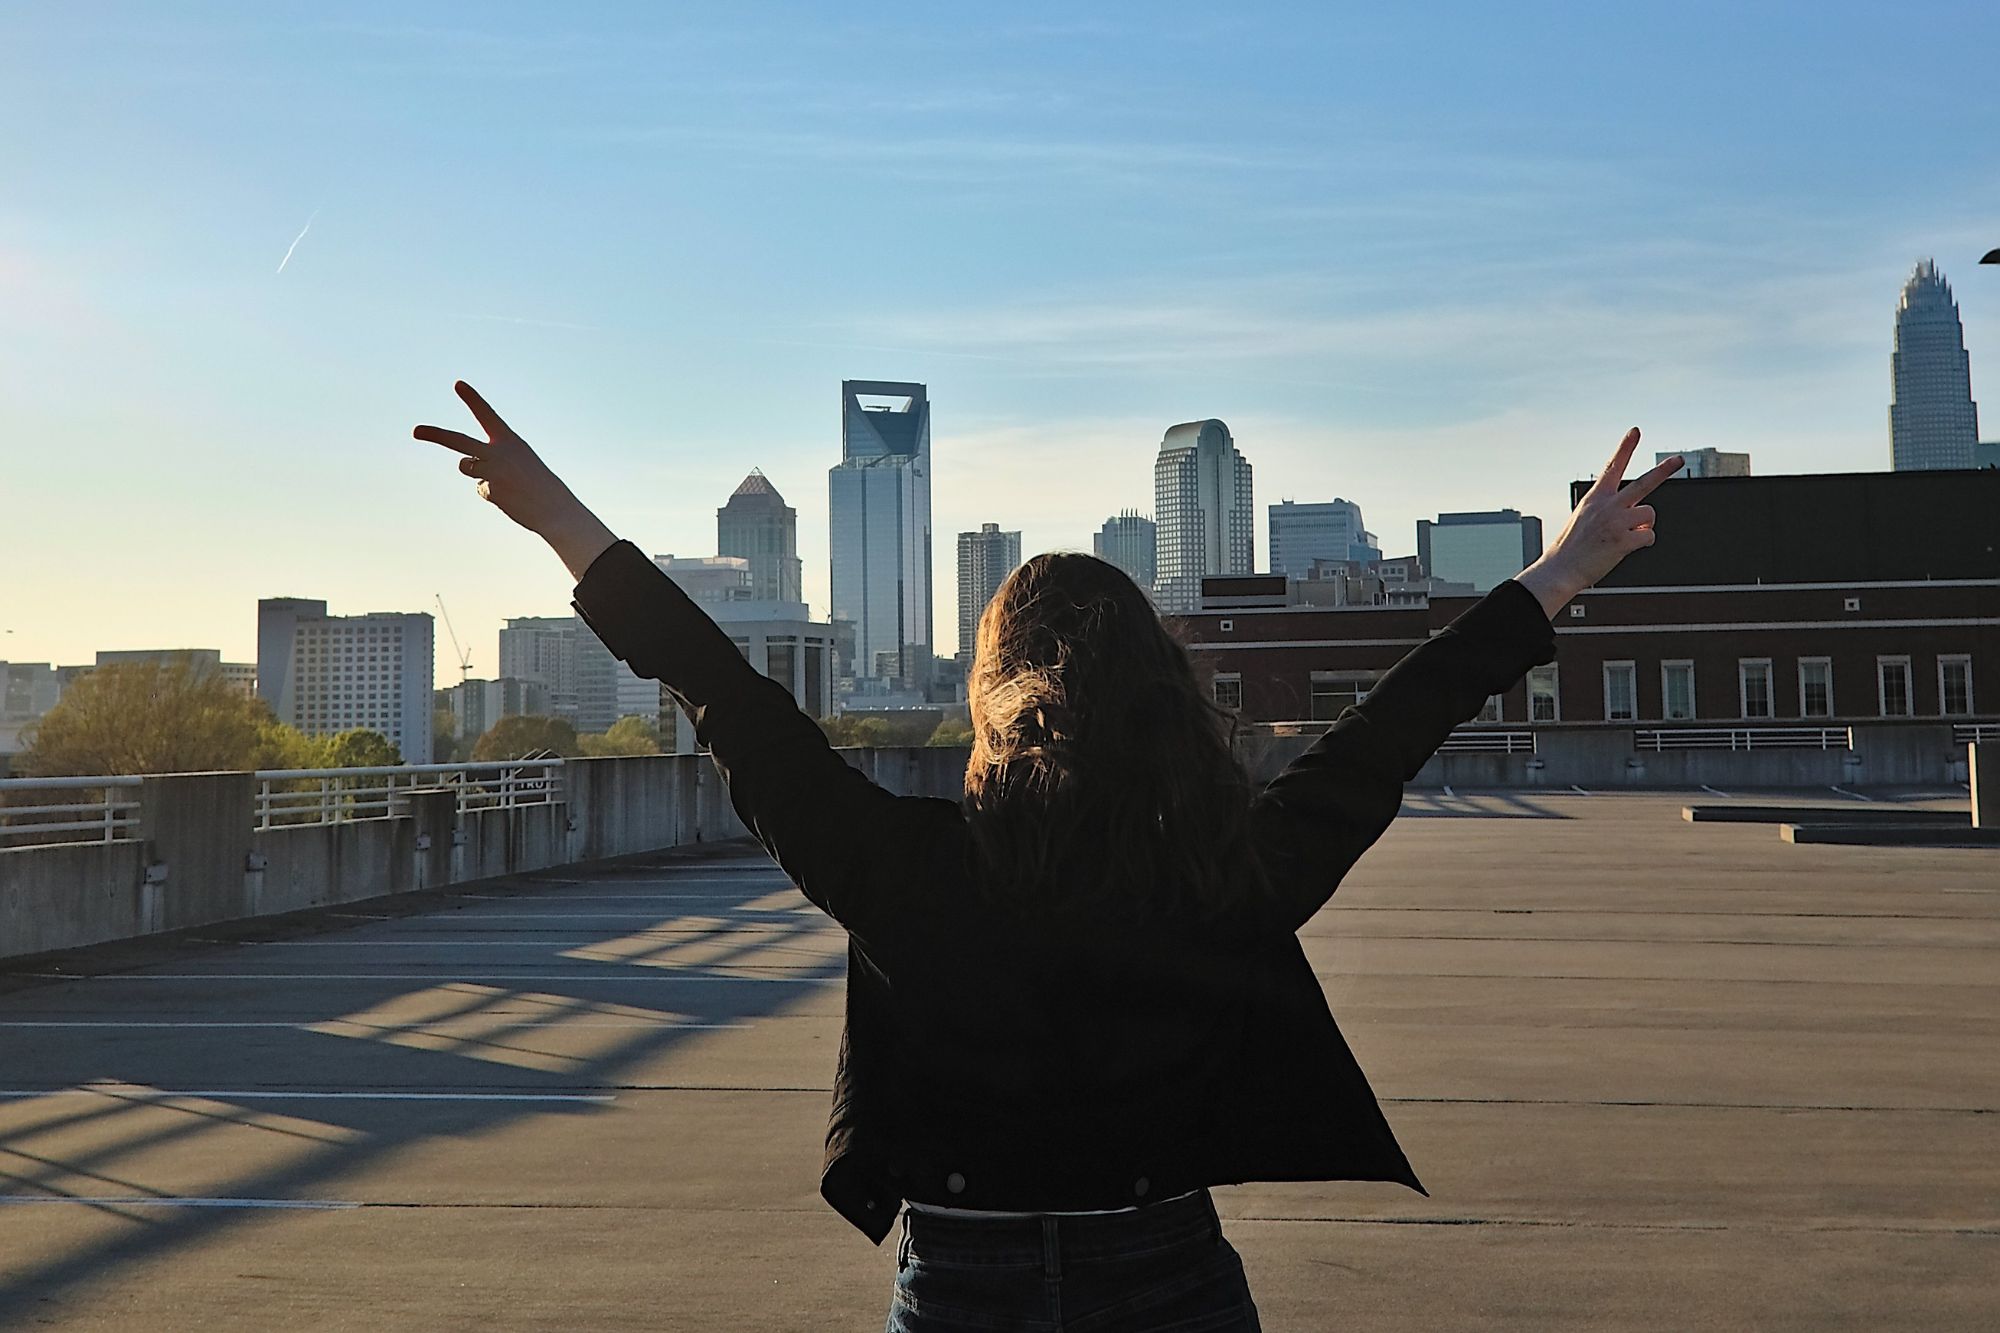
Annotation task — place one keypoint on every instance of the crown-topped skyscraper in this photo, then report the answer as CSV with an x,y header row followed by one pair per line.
x,y
880,534
760,527
1933,422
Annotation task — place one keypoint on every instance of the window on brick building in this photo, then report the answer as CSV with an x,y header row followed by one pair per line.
x,y
1542,704
1621,691
1753,686
1955,684
1892,686
1229,691
1334,691
1816,687
1677,690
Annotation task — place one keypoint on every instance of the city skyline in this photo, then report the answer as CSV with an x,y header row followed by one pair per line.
x,y
1435,286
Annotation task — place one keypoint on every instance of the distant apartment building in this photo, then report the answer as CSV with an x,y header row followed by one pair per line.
x,y
1203,511
879,535
324,674
242,676
757,525
1329,530
985,559
477,704
1986,454
578,675
1789,600
28,690
1127,540
1707,463
1933,422
1482,549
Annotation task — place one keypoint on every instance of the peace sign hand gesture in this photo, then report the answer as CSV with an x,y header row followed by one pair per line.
x,y
513,477
1607,525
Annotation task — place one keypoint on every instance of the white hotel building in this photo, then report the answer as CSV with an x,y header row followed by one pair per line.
x,y
326,674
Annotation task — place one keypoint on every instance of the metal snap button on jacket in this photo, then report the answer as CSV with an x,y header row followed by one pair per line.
x,y
955,1183
1140,1186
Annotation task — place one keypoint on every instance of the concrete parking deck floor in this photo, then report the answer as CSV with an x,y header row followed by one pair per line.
x,y
1657,1075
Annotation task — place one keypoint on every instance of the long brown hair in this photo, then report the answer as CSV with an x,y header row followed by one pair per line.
x,y
1101,773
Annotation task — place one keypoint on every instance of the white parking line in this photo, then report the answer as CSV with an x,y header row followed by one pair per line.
x,y
1855,794
158,1201
266,1095
1712,791
314,1024
443,973
1578,790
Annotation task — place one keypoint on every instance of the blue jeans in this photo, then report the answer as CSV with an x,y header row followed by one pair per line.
x,y
1160,1269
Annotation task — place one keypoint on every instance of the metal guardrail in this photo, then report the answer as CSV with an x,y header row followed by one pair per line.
x,y
293,797
1744,738
97,809
1974,733
1488,740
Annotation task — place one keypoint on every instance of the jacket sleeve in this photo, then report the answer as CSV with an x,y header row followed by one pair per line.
x,y
816,815
1315,819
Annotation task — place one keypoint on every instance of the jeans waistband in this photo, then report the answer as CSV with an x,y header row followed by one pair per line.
x,y
1060,1237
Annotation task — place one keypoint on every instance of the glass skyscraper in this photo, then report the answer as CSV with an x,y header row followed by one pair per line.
x,y
879,497
1303,533
1205,522
1933,422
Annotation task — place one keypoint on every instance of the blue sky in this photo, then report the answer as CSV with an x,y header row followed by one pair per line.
x,y
1427,260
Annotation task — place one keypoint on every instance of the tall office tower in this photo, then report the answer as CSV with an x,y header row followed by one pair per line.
x,y
1303,533
757,525
1206,521
880,533
325,674
581,678
1126,540
1707,463
985,558
1483,549
1933,422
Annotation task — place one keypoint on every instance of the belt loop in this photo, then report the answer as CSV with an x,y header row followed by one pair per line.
x,y
1051,1250
903,1245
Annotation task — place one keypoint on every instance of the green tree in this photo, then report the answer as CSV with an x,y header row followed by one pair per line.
x,y
850,730
525,735
951,732
144,717
358,748
627,736
446,747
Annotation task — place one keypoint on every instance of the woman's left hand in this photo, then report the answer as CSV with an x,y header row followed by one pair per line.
x,y
514,478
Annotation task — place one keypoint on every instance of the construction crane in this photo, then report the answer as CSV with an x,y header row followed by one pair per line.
x,y
464,658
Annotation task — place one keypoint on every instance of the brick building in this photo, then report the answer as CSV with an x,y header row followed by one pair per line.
x,y
1836,598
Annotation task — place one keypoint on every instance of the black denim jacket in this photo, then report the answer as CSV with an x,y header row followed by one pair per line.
x,y
994,1059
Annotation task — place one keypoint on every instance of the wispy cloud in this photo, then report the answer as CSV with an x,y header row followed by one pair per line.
x,y
295,242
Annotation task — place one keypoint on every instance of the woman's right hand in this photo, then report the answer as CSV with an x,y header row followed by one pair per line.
x,y
515,479
1607,525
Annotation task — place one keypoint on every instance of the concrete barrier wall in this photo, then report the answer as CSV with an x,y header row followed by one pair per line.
x,y
81,893
199,861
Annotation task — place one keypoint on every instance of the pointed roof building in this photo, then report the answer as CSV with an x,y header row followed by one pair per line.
x,y
757,525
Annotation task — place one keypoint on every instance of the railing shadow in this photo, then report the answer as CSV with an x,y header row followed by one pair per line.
x,y
408,1023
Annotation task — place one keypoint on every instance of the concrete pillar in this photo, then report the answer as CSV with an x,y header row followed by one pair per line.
x,y
1982,762
197,832
438,857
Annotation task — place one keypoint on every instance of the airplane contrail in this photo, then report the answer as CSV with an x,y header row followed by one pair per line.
x,y
295,242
